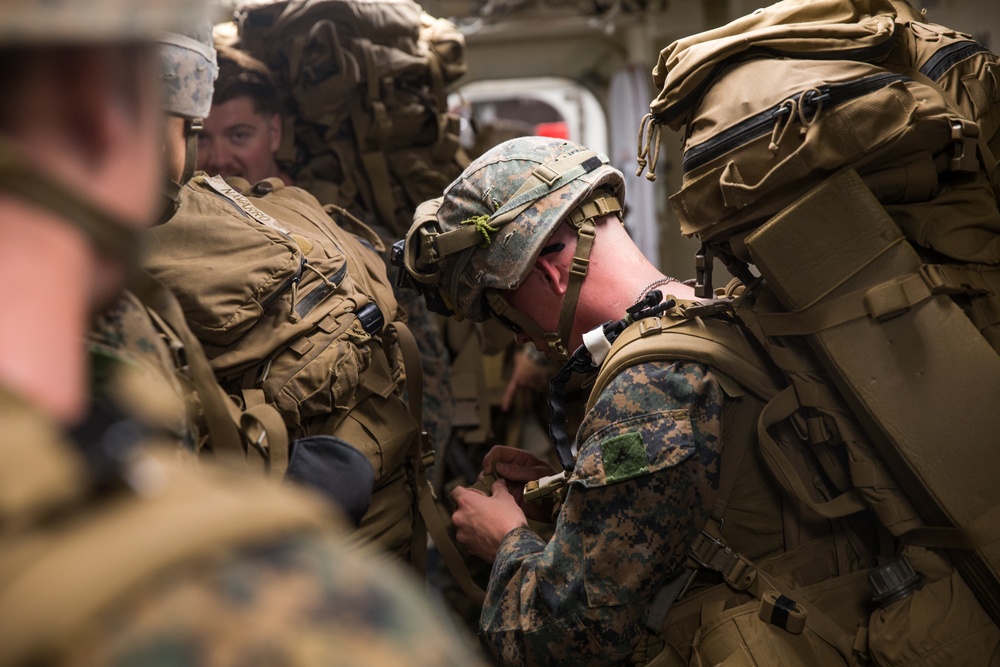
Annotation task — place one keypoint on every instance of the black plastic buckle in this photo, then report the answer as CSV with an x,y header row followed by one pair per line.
x,y
371,319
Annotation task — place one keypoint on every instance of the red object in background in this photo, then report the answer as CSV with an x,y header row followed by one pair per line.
x,y
557,130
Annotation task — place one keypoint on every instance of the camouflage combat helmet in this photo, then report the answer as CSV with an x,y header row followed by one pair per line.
x,y
189,67
189,71
484,235
67,22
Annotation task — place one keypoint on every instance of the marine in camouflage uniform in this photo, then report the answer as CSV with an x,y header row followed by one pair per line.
x,y
111,551
125,339
646,473
647,469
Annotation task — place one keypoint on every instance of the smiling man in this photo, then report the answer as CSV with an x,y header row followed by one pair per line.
x,y
243,130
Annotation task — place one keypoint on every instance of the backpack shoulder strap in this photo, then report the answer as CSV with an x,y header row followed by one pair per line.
x,y
166,311
724,346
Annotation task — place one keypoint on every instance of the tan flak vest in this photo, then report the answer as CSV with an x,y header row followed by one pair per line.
x,y
794,575
71,550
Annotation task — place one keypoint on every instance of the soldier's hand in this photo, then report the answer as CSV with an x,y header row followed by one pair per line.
x,y
517,466
482,521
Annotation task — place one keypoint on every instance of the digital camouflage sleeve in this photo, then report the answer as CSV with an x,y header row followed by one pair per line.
x,y
303,603
647,472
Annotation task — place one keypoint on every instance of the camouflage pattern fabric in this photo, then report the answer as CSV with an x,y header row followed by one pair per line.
x,y
188,70
486,190
123,343
291,592
304,602
644,481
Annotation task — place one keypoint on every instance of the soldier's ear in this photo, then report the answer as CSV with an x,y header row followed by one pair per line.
x,y
555,275
274,124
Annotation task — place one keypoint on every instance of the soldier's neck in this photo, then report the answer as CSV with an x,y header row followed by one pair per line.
x,y
45,266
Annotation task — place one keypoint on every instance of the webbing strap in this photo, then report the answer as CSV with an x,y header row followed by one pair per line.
x,y
266,431
379,191
984,531
711,553
743,574
416,472
436,526
556,348
219,416
543,179
413,368
825,628
990,164
779,408
577,273
428,519
656,614
881,302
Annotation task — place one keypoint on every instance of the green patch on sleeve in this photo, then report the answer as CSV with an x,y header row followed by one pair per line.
x,y
624,457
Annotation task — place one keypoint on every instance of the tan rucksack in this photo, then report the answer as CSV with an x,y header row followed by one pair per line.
x,y
799,578
367,125
297,318
847,157
913,107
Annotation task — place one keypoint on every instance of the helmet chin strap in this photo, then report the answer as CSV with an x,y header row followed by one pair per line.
x,y
583,219
171,191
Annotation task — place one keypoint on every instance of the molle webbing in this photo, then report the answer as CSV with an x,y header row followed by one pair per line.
x,y
110,235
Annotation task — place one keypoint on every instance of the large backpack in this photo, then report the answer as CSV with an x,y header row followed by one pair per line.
x,y
297,318
794,572
846,155
367,125
772,104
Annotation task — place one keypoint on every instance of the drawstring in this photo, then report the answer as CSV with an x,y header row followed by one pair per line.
x,y
329,283
807,122
293,316
649,137
782,124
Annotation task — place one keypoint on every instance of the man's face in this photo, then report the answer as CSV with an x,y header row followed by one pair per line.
x,y
537,299
238,141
